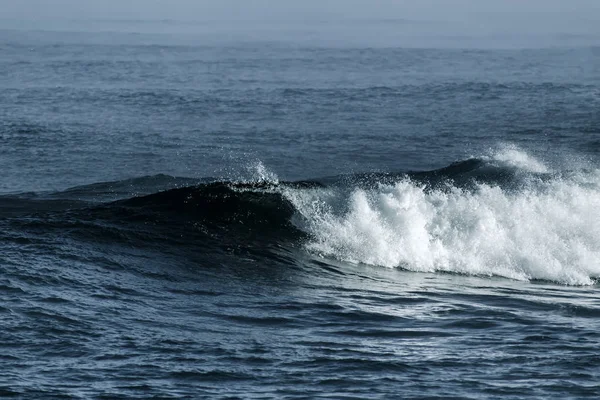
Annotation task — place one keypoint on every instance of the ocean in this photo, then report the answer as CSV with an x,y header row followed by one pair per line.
x,y
189,215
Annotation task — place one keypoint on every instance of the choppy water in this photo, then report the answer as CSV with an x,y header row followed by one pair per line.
x,y
185,220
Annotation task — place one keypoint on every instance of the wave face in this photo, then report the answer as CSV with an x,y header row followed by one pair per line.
x,y
507,215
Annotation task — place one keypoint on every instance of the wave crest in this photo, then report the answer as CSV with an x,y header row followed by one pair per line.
x,y
546,231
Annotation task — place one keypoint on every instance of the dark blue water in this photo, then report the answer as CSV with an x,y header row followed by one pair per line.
x,y
186,218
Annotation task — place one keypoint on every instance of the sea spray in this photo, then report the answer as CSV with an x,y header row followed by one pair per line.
x,y
546,230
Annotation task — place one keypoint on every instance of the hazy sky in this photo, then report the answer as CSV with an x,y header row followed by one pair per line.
x,y
265,9
274,19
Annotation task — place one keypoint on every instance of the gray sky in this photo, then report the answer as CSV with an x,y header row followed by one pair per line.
x,y
265,9
273,18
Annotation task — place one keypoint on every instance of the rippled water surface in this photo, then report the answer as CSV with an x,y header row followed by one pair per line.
x,y
251,219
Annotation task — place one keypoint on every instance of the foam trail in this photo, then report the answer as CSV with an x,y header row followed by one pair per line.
x,y
547,231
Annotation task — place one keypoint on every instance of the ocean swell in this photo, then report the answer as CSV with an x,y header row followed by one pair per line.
x,y
506,214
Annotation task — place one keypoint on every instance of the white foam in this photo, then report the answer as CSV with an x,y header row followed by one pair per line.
x,y
548,232
511,156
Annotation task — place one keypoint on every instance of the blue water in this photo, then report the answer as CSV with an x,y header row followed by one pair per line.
x,y
191,215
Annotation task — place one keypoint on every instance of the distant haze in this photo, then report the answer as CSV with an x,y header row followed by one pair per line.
x,y
337,20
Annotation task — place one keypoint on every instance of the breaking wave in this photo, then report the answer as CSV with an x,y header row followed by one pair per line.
x,y
532,224
506,214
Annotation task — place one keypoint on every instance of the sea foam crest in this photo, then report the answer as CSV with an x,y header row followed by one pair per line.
x,y
547,232
511,156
